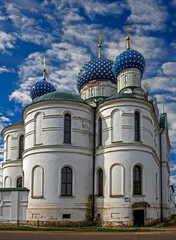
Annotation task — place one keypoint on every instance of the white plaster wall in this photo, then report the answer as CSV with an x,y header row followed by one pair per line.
x,y
13,205
127,152
129,77
12,167
53,154
100,88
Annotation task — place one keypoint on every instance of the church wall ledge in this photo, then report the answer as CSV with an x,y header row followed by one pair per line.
x,y
14,189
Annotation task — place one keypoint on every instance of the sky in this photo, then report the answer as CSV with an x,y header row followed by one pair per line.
x,y
65,33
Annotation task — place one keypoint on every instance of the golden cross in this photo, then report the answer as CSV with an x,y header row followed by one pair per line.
x,y
128,37
44,61
128,27
100,36
146,84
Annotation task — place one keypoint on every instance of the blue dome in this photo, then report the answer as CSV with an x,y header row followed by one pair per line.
x,y
40,88
95,69
129,59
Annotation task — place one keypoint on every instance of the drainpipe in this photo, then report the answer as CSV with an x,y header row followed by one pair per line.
x,y
161,179
93,153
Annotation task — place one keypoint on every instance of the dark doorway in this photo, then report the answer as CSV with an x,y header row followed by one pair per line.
x,y
138,216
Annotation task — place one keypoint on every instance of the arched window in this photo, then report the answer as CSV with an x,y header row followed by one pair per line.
x,y
66,182
19,182
137,126
100,182
21,145
137,180
99,131
67,128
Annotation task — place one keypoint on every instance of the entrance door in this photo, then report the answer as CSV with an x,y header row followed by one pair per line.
x,y
138,216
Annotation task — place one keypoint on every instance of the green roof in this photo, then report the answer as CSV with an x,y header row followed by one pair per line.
x,y
58,96
162,121
20,122
126,95
13,189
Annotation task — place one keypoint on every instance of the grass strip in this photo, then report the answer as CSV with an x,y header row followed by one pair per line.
x,y
82,229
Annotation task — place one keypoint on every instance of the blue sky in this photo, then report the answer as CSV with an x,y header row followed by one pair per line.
x,y
65,32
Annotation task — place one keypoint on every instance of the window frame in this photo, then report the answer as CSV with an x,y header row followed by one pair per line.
x,y
137,180
64,184
67,131
21,149
100,132
100,182
20,177
137,126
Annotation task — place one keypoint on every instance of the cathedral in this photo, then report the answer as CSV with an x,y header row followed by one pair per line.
x,y
101,156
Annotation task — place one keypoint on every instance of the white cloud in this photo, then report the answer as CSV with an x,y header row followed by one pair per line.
x,y
6,41
28,28
168,68
4,69
147,15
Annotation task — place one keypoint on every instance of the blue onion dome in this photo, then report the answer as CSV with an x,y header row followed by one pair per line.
x,y
40,88
95,69
129,59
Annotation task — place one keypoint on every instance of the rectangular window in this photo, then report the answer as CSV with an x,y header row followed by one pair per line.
x,y
66,216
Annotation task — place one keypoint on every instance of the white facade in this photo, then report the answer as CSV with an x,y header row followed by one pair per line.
x,y
105,158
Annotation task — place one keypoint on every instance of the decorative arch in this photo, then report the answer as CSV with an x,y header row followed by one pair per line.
x,y
67,127
38,119
117,180
116,122
8,147
7,182
37,181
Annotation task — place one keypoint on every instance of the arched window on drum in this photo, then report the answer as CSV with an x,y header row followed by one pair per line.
x,y
21,146
137,133
67,128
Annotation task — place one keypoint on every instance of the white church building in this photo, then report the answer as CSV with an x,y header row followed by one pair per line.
x,y
101,156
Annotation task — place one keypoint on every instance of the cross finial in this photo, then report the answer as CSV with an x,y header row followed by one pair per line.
x,y
44,67
128,36
163,109
146,84
99,45
100,36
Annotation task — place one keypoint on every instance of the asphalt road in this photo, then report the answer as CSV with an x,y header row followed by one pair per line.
x,y
9,235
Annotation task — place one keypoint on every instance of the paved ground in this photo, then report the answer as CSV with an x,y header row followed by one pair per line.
x,y
170,235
